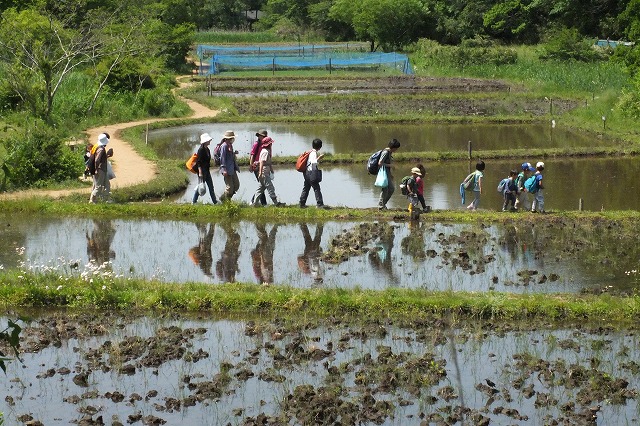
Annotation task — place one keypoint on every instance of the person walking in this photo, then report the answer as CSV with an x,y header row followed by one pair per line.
x,y
313,177
203,164
477,186
538,195
522,199
229,166
253,159
101,186
265,175
385,162
420,187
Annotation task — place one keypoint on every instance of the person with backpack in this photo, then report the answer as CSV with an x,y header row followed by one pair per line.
x,y
253,159
420,187
537,189
522,199
229,166
265,175
203,164
385,162
477,185
508,189
409,188
312,177
97,165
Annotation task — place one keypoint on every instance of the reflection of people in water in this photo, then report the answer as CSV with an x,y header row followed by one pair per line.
x,y
413,244
227,265
262,254
380,256
201,254
309,260
99,243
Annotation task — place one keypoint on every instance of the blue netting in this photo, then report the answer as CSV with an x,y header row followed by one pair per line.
x,y
318,59
205,50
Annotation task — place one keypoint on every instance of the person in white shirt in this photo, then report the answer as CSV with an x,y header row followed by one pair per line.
x,y
313,177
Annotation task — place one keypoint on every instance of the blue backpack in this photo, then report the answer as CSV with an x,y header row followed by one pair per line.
x,y
372,163
503,185
531,184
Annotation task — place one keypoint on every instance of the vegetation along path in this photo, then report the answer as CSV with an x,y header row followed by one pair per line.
x,y
129,166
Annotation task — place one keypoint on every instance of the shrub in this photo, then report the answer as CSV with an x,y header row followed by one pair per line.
x,y
156,102
567,44
476,51
39,156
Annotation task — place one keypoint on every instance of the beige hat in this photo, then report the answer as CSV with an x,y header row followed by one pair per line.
x,y
262,132
416,171
539,164
229,135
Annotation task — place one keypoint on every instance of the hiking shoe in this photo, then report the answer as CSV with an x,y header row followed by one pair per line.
x,y
324,207
382,208
303,206
280,204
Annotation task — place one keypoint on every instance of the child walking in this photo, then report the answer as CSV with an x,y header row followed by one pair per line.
x,y
477,186
411,188
420,186
509,191
522,199
538,195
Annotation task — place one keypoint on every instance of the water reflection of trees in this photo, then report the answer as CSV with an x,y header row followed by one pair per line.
x,y
227,265
262,254
201,254
309,260
99,242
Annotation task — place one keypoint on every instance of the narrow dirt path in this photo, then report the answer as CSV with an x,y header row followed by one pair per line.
x,y
129,166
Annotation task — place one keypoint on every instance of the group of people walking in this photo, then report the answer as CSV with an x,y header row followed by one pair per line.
x,y
260,163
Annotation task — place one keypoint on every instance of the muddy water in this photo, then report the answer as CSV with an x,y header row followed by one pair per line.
x,y
345,138
601,183
218,372
545,258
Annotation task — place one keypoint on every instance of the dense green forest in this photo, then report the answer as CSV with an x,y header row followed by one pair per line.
x,y
68,65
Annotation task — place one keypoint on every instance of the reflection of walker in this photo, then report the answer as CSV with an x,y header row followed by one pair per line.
x,y
414,210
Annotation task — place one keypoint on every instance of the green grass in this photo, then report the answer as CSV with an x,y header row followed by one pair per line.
x,y
52,290
239,37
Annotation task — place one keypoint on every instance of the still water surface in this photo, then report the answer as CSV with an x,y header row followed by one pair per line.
x,y
410,257
345,138
468,358
602,183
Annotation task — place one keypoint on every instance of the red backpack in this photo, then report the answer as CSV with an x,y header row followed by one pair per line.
x,y
301,163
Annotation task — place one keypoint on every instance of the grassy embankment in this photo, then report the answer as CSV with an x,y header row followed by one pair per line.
x,y
551,80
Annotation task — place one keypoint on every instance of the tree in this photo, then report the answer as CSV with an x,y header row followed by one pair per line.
x,y
514,21
39,53
389,24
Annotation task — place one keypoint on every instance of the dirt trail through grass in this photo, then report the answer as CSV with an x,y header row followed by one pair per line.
x,y
129,166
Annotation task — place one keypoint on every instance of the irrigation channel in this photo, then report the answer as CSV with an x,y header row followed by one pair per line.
x,y
601,183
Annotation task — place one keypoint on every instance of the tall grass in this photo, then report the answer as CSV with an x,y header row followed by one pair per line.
x,y
551,78
227,37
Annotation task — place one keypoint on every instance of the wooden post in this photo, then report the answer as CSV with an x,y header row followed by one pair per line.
x,y
329,65
146,135
469,149
550,106
580,204
273,66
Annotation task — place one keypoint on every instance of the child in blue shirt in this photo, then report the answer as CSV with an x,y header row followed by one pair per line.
x,y
509,191
538,196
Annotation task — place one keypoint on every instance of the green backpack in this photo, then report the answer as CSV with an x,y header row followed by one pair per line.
x,y
407,185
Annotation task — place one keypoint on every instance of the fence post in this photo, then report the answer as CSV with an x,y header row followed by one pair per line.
x,y
146,135
329,65
469,149
273,66
580,204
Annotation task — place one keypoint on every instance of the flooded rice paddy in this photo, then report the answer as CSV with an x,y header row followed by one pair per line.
x,y
601,183
346,138
101,368
546,257
595,181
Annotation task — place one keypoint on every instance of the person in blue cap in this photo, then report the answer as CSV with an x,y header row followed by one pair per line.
x,y
522,199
